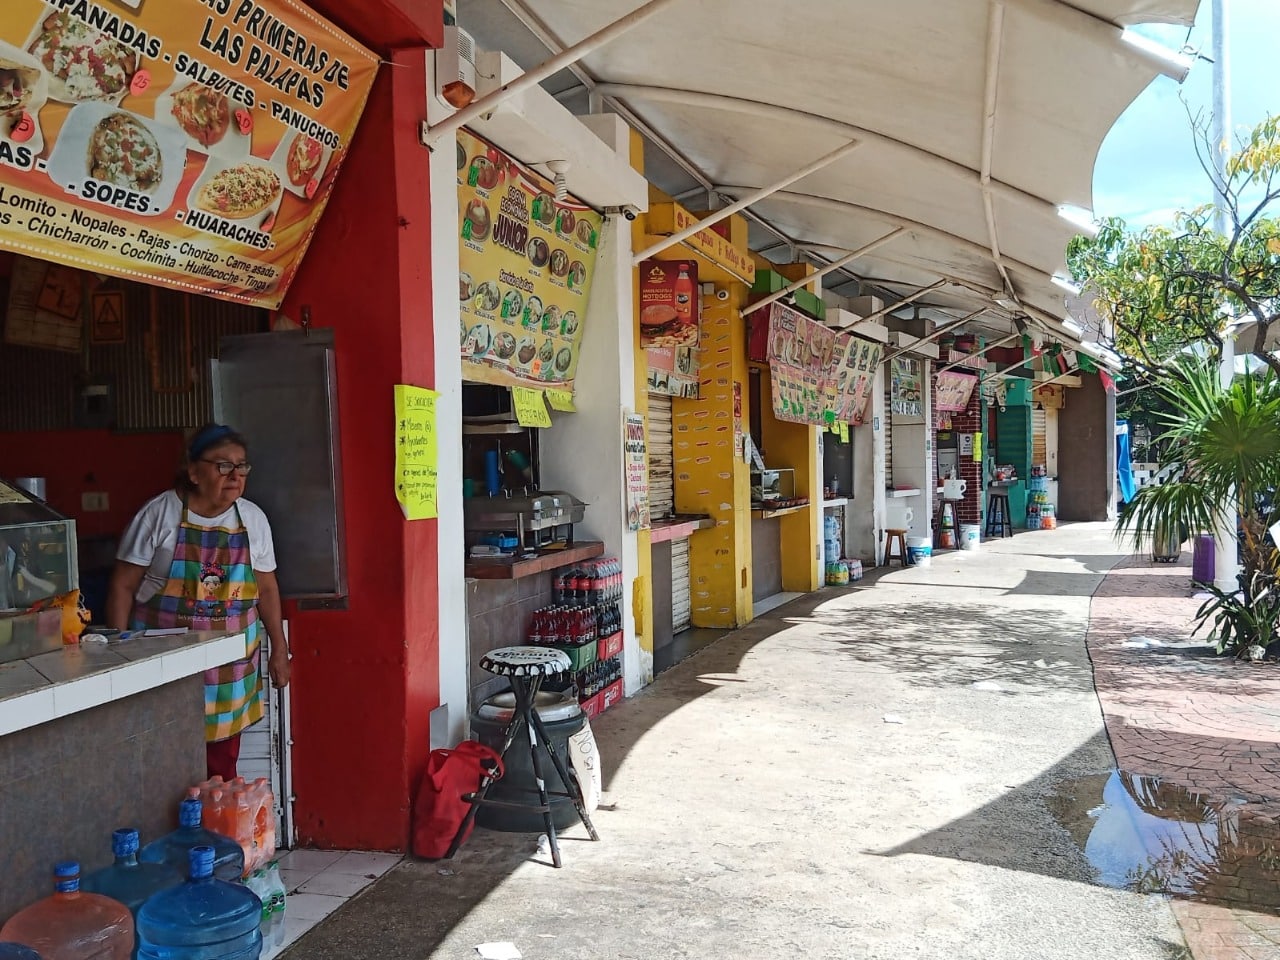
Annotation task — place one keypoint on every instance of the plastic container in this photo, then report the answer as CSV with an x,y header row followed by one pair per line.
x,y
203,919
174,848
17,951
127,880
970,536
563,717
1203,561
72,925
245,812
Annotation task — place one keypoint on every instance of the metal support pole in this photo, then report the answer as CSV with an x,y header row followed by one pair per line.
x,y
754,197
909,298
822,272
942,331
974,356
432,134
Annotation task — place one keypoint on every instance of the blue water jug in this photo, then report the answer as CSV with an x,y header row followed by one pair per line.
x,y
16,951
174,848
127,880
203,919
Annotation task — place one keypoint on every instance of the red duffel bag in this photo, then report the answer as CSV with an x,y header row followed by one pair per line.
x,y
439,809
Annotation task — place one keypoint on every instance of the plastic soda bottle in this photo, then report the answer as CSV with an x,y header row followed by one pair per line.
x,y
71,924
276,887
203,919
172,848
127,880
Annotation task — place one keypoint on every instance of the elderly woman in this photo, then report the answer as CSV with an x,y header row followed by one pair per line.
x,y
201,556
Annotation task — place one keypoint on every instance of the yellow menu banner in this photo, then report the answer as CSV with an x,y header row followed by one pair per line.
x,y
191,144
530,407
417,451
526,260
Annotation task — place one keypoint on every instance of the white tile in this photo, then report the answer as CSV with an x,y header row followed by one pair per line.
x,y
362,864
310,906
182,663
334,884
134,678
295,927
313,860
224,651
82,694
293,879
26,710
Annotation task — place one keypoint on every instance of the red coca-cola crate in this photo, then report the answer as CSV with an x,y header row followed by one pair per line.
x,y
593,706
610,646
611,695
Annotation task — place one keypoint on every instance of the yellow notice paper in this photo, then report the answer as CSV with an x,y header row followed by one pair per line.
x,y
531,409
561,400
844,432
416,451
977,448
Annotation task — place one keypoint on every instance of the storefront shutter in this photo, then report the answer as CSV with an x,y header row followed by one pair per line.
x,y
661,458
681,600
1038,433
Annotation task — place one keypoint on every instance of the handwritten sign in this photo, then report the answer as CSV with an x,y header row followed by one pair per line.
x,y
531,408
636,468
561,400
417,451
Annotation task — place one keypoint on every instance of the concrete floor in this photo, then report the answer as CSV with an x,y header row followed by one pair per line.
x,y
758,805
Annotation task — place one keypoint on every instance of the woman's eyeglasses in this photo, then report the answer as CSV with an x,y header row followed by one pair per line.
x,y
225,467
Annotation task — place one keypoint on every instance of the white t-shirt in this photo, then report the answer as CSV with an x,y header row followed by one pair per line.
x,y
153,533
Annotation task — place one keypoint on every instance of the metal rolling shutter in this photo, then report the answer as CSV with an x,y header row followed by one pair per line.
x,y
681,600
1039,454
661,458
887,417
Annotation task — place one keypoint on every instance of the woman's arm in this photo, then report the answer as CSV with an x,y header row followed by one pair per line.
x,y
125,580
272,619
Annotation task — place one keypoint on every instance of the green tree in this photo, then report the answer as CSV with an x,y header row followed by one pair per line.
x,y
1223,445
1164,287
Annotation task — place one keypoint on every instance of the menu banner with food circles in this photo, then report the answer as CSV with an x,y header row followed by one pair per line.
x,y
526,261
190,144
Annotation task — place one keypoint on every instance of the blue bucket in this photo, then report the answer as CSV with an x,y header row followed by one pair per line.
x,y
920,556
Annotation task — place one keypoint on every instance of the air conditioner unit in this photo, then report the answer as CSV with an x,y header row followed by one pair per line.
x,y
456,68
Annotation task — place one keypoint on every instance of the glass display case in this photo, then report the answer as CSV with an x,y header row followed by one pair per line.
x,y
37,550
772,486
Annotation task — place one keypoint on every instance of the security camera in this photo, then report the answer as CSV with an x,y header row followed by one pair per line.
x,y
630,212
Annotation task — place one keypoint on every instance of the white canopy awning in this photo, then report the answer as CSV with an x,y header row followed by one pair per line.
x,y
976,121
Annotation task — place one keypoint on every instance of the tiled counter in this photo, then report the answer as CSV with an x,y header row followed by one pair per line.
x,y
93,738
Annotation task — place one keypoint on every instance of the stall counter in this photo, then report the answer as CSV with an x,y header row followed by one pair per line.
x,y
79,677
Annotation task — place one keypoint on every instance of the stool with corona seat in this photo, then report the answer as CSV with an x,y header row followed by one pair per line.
x,y
526,668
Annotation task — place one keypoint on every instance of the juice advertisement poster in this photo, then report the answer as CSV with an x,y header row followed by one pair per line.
x,y
191,144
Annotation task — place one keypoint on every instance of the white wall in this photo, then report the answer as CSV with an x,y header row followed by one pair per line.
x,y
865,514
913,459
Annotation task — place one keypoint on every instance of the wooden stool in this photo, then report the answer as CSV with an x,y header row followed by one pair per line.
x,y
526,668
899,537
999,519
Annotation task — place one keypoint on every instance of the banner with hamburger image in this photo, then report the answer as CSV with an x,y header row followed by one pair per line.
x,y
526,260
191,144
669,317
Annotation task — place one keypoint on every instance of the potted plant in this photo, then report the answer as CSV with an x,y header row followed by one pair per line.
x,y
1223,448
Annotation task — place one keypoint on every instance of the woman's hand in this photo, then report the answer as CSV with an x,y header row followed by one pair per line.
x,y
278,666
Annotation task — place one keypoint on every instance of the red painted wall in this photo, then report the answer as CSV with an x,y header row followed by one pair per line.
x,y
366,679
130,468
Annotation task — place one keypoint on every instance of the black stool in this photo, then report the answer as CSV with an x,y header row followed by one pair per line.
x,y
999,519
526,668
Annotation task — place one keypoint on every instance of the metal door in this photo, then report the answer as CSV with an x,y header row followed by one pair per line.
x,y
681,591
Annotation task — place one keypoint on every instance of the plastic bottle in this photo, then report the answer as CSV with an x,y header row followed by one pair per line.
x,y
172,848
279,897
17,951
203,919
71,925
257,882
127,880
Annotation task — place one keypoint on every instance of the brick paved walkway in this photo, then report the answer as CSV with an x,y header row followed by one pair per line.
x,y
1202,735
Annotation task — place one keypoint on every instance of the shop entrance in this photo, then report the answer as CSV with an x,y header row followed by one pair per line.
x,y
102,386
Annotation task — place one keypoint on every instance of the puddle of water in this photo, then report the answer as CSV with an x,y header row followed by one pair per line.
x,y
1151,836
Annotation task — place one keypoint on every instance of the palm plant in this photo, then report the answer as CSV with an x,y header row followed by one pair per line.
x,y
1223,444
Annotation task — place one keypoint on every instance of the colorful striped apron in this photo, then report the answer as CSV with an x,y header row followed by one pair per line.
x,y
211,587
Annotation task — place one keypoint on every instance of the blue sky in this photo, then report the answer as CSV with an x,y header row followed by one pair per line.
x,y
1147,167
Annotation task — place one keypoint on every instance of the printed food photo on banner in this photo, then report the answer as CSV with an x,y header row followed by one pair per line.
x,y
172,142
526,263
670,308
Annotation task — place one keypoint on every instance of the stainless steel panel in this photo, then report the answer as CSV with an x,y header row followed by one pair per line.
x,y
280,391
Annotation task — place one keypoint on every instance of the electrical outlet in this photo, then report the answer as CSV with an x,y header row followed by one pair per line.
x,y
95,502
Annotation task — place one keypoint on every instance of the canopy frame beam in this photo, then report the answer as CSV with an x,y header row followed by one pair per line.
x,y
822,272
